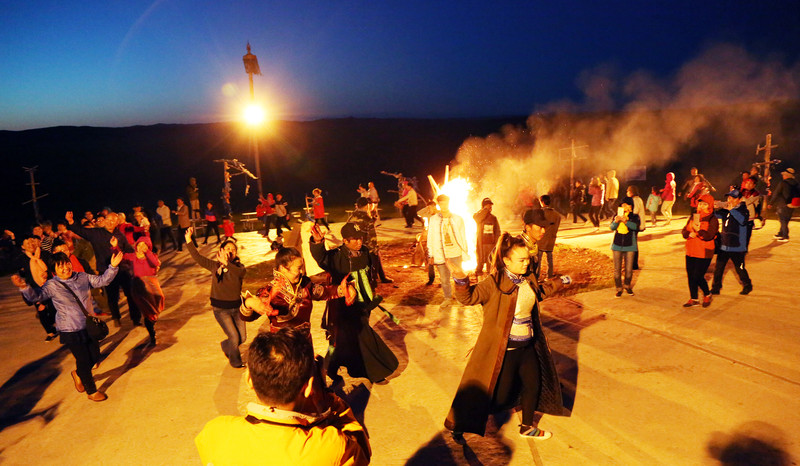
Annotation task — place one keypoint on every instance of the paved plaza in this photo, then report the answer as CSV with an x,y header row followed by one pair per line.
x,y
649,382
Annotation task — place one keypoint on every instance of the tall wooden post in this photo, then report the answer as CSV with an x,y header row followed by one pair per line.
x,y
573,155
34,197
767,148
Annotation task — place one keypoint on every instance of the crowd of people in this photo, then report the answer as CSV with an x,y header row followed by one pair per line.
x,y
298,415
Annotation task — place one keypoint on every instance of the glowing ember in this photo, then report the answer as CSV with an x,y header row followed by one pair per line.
x,y
460,190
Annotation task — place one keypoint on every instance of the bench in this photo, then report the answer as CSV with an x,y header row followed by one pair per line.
x,y
250,222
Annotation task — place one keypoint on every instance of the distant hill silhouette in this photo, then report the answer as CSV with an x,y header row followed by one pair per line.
x,y
87,167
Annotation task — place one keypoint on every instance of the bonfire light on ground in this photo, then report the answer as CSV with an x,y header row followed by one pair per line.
x,y
461,203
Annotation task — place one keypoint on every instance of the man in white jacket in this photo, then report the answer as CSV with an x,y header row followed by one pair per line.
x,y
447,242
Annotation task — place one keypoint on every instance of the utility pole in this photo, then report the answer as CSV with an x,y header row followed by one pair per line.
x,y
251,67
240,169
573,155
768,160
34,197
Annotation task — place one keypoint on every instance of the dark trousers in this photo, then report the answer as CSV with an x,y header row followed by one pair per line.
x,y
696,273
377,266
182,232
520,375
236,332
594,215
784,216
211,226
410,214
282,222
738,263
167,232
618,255
576,212
86,352
268,221
47,316
122,280
484,252
609,208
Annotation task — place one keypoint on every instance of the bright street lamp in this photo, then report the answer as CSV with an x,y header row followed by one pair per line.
x,y
254,115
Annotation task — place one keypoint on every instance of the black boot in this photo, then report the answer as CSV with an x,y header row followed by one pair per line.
x,y
151,330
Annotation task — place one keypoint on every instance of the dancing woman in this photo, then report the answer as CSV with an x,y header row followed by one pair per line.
x,y
288,299
145,289
511,359
226,293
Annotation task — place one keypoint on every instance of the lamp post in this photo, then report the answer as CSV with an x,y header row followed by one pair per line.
x,y
253,114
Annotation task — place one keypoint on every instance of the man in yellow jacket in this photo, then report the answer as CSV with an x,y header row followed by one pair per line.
x,y
296,422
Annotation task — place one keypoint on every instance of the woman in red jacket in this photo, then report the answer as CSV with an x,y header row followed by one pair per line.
x,y
145,289
700,231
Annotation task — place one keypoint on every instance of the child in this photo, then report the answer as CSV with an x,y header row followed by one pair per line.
x,y
319,207
228,227
653,201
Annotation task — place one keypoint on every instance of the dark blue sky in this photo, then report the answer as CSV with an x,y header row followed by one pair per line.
x,y
104,63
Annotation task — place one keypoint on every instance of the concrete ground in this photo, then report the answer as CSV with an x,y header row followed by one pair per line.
x,y
649,381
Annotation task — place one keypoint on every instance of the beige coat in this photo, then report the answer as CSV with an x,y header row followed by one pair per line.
x,y
473,401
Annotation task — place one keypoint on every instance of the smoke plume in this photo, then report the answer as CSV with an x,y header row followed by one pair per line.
x,y
725,94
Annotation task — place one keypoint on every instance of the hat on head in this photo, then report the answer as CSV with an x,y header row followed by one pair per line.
x,y
788,171
626,200
442,197
735,193
534,217
146,240
707,198
351,231
486,201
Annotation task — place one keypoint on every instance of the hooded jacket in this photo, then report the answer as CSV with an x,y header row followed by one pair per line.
x,y
668,193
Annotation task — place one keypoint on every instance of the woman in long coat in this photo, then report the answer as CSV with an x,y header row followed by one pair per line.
x,y
511,350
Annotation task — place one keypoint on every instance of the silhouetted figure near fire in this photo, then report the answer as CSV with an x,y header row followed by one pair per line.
x,y
488,231
576,202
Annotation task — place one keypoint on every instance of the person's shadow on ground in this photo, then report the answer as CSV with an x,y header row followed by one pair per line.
x,y
20,394
563,317
491,449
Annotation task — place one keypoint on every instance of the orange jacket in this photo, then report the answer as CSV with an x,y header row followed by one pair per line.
x,y
701,245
